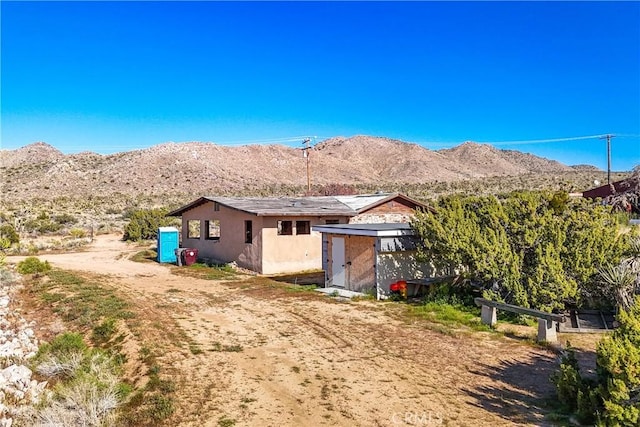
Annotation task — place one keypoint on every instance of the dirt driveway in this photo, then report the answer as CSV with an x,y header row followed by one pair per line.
x,y
252,356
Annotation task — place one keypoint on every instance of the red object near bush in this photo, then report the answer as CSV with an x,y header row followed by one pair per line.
x,y
399,287
190,256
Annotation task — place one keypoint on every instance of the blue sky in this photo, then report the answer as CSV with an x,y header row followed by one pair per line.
x,y
116,76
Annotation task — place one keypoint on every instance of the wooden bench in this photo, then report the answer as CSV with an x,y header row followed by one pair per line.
x,y
547,322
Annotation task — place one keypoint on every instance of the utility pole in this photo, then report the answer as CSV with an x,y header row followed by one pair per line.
x,y
306,151
608,138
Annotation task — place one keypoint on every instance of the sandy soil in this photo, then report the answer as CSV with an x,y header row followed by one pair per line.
x,y
310,360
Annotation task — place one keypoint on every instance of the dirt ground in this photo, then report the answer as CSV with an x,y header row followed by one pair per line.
x,y
267,357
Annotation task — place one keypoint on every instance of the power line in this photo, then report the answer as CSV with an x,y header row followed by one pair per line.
x,y
296,139
543,141
524,142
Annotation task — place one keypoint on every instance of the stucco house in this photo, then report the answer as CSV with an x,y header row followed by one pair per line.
x,y
275,235
605,190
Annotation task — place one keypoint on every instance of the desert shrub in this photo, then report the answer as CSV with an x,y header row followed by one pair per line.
x,y
113,211
63,344
7,231
576,395
33,265
65,219
62,356
78,233
143,224
568,380
104,331
613,398
4,245
42,224
88,389
530,249
619,370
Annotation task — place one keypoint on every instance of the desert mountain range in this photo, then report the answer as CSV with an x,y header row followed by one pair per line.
x,y
206,168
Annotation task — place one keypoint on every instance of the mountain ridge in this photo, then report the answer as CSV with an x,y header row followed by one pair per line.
x,y
201,167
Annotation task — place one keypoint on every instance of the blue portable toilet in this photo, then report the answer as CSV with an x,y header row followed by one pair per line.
x,y
167,244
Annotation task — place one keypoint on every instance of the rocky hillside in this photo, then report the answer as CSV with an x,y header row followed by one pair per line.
x,y
198,168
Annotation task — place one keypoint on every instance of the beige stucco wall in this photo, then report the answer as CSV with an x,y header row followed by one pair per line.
x,y
269,253
231,246
287,254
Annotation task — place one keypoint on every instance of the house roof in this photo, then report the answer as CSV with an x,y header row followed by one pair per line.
x,y
299,206
605,190
363,202
360,201
375,230
276,206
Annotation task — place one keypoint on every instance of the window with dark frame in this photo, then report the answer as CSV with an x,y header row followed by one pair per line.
x,y
248,231
303,227
216,206
332,221
213,229
193,229
285,228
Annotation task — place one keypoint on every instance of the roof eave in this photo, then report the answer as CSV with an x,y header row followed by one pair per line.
x,y
363,232
393,196
294,214
192,205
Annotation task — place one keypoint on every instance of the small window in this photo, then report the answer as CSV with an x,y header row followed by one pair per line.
x,y
303,227
213,229
216,206
285,228
193,226
248,231
332,221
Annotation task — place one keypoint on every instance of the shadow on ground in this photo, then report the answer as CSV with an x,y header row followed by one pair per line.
x,y
311,278
523,392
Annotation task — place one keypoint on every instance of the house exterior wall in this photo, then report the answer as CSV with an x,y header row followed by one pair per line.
x,y
291,253
393,211
231,246
604,190
326,259
402,265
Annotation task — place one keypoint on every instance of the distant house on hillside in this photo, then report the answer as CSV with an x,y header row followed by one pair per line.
x,y
605,190
274,235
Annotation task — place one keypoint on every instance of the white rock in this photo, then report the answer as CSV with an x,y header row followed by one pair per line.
x,y
16,373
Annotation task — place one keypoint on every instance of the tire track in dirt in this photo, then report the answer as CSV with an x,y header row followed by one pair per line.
x,y
264,358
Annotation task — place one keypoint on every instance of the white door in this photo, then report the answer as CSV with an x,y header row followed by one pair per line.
x,y
337,261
